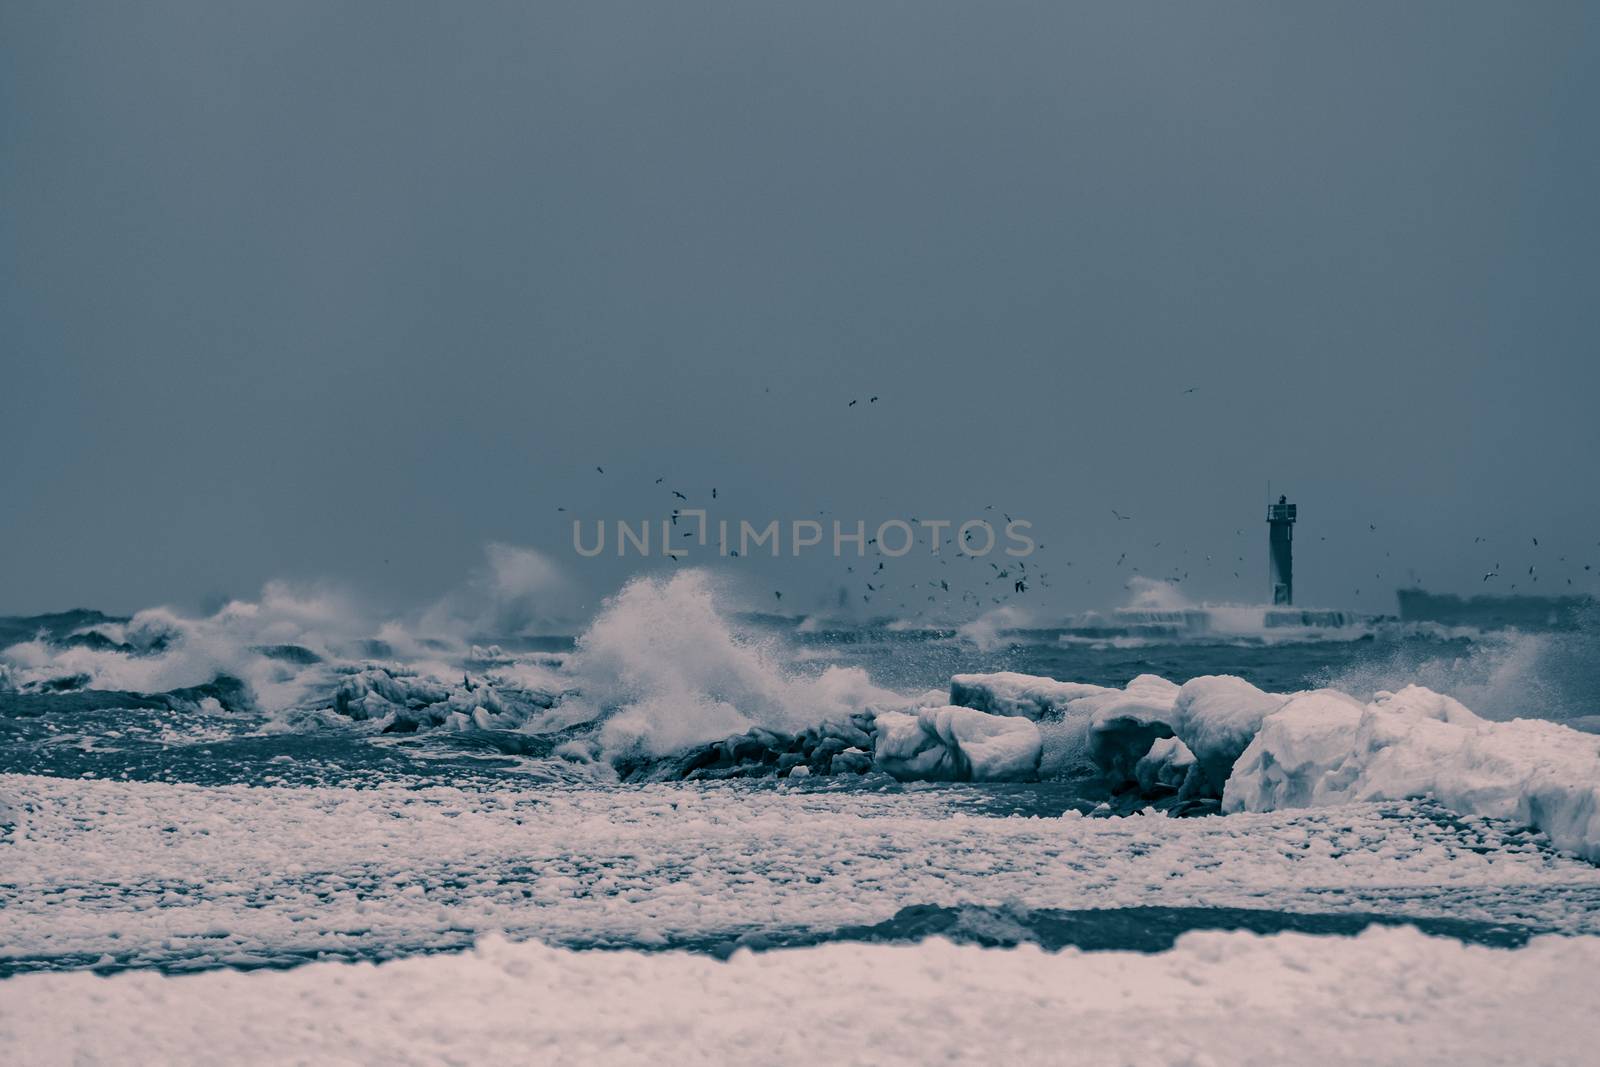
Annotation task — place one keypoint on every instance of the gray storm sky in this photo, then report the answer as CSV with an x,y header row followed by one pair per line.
x,y
312,291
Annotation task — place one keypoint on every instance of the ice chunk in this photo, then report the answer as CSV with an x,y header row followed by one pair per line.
x,y
1029,695
1124,723
952,744
1217,716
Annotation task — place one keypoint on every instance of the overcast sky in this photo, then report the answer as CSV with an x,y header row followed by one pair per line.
x,y
348,291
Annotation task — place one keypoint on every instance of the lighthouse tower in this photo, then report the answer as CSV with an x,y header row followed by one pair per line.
x,y
1280,545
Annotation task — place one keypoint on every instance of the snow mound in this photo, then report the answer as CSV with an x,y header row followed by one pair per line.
x,y
952,744
1326,748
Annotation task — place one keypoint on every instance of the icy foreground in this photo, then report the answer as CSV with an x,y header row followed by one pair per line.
x,y
1387,996
117,875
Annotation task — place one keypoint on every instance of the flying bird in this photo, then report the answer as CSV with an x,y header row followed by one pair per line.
x,y
1119,514
851,404
602,470
679,495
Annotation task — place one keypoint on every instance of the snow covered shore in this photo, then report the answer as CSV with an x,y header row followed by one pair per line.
x,y
148,874
1388,996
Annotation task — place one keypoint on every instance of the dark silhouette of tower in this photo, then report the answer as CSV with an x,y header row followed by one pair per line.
x,y
1280,546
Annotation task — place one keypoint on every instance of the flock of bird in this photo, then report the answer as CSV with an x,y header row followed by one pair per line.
x,y
1014,579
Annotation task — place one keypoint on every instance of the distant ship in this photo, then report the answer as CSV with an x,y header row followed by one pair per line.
x,y
1495,612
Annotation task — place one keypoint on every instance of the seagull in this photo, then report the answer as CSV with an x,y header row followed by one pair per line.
x,y
602,470
713,492
660,480
777,594
1189,390
679,495
872,400
851,404
1491,574
1119,514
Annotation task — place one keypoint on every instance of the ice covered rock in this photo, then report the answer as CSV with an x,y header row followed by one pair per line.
x,y
1123,724
829,747
375,694
1030,696
407,702
1216,717
1166,765
1326,748
1088,731
955,744
852,761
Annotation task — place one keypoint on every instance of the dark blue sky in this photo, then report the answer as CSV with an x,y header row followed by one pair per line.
x,y
347,291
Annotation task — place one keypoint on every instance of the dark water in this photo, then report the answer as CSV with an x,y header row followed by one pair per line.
x,y
1146,929
1138,929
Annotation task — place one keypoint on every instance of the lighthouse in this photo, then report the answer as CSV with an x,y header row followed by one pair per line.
x,y
1280,547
